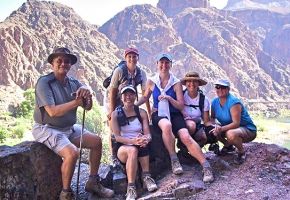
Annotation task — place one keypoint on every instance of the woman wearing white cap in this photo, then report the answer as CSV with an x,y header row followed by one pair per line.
x,y
168,102
236,125
130,127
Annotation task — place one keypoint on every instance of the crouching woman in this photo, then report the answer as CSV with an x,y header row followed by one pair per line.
x,y
130,127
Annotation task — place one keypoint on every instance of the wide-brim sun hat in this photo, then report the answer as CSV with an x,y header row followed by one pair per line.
x,y
222,82
128,87
62,51
131,50
164,55
193,76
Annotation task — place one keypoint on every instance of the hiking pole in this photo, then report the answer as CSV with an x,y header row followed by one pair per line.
x,y
80,158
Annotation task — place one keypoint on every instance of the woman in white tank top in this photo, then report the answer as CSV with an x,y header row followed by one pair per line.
x,y
132,137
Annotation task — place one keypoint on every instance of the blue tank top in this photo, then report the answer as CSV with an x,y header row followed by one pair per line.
x,y
223,114
170,92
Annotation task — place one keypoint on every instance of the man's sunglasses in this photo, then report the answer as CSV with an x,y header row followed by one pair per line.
x,y
220,87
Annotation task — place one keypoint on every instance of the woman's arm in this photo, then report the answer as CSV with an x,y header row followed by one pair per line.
x,y
206,119
146,138
179,102
146,95
236,112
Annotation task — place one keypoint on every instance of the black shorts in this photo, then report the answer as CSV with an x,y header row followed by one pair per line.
x,y
177,121
142,151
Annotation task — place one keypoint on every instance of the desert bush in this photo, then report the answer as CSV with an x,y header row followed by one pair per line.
x,y
3,134
26,107
94,122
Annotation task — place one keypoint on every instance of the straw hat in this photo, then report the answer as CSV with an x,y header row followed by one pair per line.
x,y
193,76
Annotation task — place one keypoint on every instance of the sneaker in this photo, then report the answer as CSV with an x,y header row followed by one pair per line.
x,y
176,167
94,186
241,158
131,193
207,175
227,149
66,196
149,183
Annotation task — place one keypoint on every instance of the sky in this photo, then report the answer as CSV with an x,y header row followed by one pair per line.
x,y
93,11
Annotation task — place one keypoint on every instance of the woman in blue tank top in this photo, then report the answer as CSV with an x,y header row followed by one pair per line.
x,y
168,103
234,125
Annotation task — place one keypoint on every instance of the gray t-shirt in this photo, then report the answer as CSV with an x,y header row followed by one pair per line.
x,y
115,83
49,91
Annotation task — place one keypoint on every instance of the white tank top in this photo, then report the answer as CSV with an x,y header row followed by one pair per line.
x,y
132,129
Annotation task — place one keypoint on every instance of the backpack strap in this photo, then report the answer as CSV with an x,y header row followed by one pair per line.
x,y
121,116
201,102
123,119
137,111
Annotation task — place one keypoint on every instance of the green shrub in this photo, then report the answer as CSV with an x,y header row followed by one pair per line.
x,y
26,107
18,131
94,122
3,134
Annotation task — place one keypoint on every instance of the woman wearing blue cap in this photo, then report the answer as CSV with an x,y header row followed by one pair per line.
x,y
168,102
234,124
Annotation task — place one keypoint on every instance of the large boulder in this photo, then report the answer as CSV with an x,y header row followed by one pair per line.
x,y
29,171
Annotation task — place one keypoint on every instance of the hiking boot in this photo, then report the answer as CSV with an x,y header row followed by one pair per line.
x,y
176,167
227,149
241,158
207,175
94,186
66,195
215,148
149,183
131,193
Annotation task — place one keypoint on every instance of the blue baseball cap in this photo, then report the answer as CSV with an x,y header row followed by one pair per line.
x,y
164,55
223,82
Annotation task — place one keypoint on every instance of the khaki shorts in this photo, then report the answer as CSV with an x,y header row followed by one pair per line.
x,y
56,139
247,135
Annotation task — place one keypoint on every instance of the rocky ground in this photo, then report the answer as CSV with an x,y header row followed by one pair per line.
x,y
265,175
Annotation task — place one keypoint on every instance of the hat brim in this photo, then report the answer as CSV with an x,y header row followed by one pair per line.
x,y
72,57
128,89
201,81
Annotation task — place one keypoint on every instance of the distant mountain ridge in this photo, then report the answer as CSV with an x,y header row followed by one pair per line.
x,y
279,6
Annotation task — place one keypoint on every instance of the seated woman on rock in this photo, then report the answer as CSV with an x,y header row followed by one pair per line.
x,y
168,103
196,107
196,113
130,127
235,124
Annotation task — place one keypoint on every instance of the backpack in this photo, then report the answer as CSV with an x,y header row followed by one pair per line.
x,y
123,119
200,102
125,76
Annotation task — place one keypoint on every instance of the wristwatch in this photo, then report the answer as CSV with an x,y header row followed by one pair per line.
x,y
113,138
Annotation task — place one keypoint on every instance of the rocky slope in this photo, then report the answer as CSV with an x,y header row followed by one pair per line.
x,y
228,47
30,34
264,175
214,43
271,26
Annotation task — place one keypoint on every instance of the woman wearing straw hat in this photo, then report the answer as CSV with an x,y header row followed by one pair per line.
x,y
195,111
